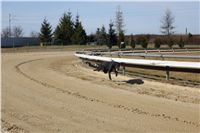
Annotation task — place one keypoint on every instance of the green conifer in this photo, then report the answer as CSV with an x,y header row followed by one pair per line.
x,y
45,32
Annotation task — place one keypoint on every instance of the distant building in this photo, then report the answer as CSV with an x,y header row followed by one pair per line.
x,y
19,42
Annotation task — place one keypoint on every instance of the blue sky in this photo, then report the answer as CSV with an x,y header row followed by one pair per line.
x,y
139,17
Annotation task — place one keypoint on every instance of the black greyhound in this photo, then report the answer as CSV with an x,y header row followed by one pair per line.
x,y
108,67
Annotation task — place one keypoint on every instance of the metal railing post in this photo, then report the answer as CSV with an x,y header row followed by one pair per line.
x,y
123,70
167,73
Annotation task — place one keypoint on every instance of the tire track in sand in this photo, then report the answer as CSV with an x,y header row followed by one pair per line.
x,y
11,128
117,106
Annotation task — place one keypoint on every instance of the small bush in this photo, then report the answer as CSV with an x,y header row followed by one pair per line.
x,y
132,42
157,43
164,40
190,35
170,42
143,41
144,44
181,43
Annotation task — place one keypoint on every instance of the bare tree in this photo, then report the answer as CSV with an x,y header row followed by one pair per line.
x,y
17,31
34,34
119,21
167,23
5,32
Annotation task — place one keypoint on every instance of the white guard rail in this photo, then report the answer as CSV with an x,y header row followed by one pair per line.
x,y
158,63
191,67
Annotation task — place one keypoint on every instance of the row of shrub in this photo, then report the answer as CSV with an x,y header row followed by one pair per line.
x,y
170,41
144,40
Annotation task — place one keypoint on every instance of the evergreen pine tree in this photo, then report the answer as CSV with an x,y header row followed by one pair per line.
x,y
112,38
65,29
45,32
91,38
97,36
79,36
132,42
103,36
181,42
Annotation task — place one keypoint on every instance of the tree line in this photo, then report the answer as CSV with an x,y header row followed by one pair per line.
x,y
69,31
16,31
66,32
115,34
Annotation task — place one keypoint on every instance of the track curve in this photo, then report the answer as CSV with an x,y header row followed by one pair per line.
x,y
92,101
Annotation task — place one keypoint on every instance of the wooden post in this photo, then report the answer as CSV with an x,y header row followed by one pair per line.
x,y
146,51
123,71
167,73
172,50
162,57
119,55
187,50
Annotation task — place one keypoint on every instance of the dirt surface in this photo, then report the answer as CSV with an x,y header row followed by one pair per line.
x,y
52,92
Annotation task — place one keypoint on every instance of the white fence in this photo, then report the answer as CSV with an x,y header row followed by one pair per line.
x,y
192,67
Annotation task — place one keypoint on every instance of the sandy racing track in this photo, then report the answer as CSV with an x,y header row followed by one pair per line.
x,y
49,92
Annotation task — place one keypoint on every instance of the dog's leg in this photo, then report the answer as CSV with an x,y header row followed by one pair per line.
x,y
110,75
116,72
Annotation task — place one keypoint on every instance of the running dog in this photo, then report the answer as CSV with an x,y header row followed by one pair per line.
x,y
108,67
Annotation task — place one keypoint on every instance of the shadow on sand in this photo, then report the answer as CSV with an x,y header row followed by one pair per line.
x,y
133,81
